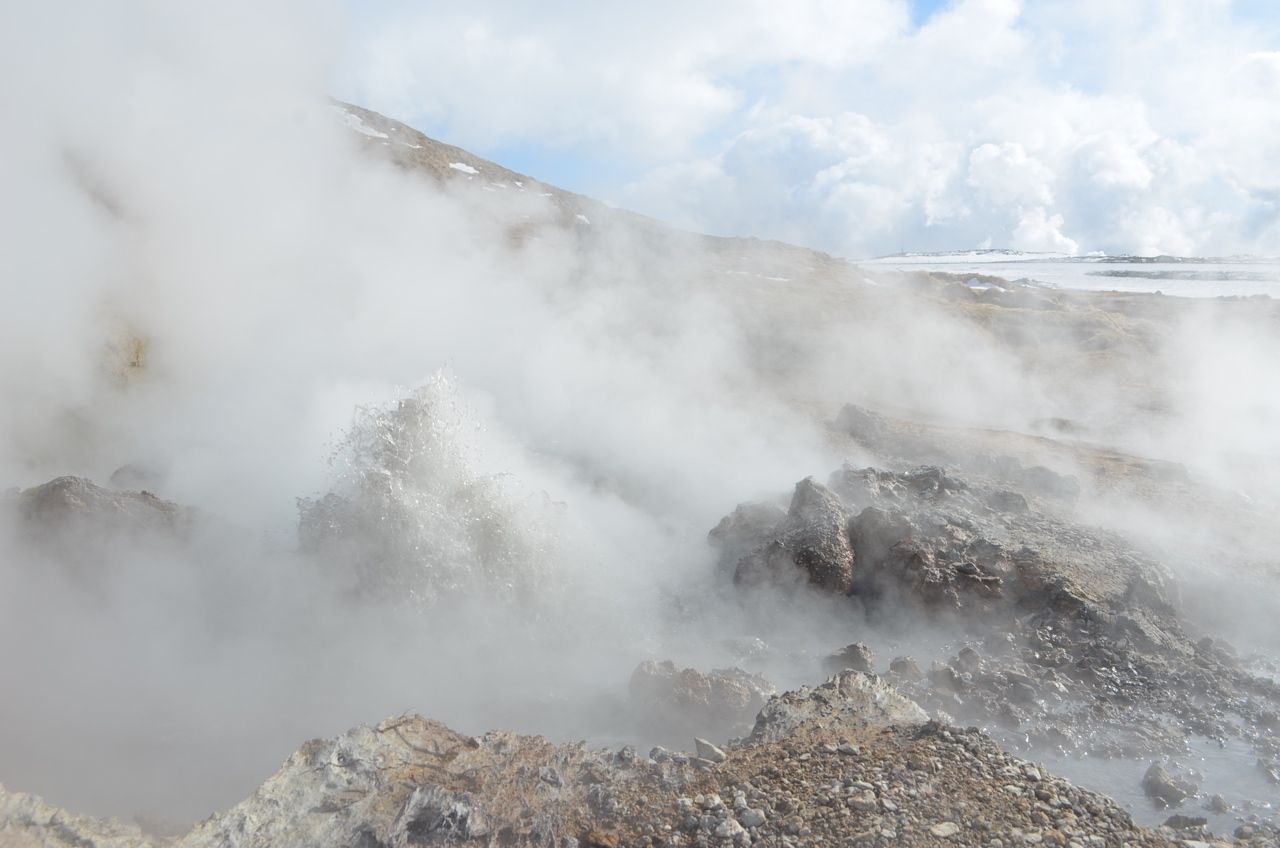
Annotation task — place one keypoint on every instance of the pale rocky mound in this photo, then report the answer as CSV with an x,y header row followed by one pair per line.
x,y
27,821
84,528
73,505
847,763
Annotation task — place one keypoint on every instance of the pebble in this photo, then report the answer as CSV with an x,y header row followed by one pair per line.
x,y
728,829
708,751
944,830
863,802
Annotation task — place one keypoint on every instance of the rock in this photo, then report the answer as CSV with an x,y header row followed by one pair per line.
x,y
906,668
810,545
728,829
932,481
1021,693
752,818
708,751
850,694
857,657
944,830
860,488
863,802
1161,786
1217,804
749,527
79,520
816,536
674,704
435,815
1181,822
598,838
28,820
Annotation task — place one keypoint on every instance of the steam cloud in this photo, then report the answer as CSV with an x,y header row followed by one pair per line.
x,y
209,283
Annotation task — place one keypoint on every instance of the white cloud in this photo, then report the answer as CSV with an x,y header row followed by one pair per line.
x,y
839,125
1007,176
1039,231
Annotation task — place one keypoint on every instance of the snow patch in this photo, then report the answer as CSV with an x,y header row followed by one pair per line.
x,y
353,122
464,168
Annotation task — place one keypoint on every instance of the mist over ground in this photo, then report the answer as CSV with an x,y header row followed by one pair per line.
x,y
438,451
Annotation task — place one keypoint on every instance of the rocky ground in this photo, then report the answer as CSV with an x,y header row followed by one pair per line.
x,y
851,762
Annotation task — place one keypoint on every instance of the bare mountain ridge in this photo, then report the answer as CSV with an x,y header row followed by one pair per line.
x,y
446,164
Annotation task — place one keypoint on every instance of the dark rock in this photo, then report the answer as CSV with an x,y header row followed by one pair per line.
x,y
906,668
811,544
1163,787
817,538
1181,822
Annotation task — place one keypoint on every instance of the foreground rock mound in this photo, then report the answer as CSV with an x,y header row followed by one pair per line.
x,y
847,763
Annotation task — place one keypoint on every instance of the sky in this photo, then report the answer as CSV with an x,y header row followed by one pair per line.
x,y
862,128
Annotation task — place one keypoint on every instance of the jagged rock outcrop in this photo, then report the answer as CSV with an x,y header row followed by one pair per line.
x,y
678,703
927,539
1070,630
810,543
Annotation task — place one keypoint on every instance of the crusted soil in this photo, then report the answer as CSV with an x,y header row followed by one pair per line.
x,y
850,762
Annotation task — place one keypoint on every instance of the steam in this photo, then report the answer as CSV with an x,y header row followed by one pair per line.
x,y
505,451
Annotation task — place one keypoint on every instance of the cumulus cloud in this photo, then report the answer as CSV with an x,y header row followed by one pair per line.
x,y
1120,127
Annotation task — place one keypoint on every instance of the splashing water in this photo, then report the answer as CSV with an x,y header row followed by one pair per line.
x,y
412,513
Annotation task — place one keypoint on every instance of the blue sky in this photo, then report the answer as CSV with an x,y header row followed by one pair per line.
x,y
1063,125
922,10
